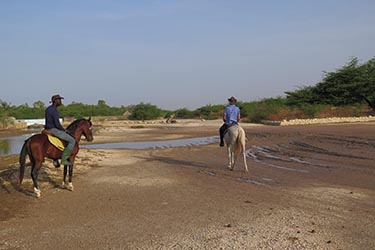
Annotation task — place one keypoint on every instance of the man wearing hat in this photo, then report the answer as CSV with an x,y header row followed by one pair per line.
x,y
231,115
53,125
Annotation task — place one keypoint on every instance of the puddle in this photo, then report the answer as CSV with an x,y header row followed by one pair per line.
x,y
155,144
254,155
13,144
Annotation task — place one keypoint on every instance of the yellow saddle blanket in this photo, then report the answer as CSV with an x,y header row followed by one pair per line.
x,y
56,142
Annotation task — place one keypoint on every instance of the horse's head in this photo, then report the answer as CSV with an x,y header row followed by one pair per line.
x,y
87,129
79,127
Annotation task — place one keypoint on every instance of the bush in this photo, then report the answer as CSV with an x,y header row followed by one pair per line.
x,y
144,111
184,114
210,112
261,110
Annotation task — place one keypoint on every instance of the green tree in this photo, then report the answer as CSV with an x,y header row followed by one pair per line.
x,y
146,111
74,109
38,109
302,96
210,111
184,113
260,110
5,107
352,84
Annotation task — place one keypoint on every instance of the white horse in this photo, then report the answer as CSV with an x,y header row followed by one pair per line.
x,y
235,139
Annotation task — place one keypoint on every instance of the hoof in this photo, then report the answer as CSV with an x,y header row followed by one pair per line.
x,y
37,192
70,186
63,185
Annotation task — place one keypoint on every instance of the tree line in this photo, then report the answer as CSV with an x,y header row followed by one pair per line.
x,y
348,91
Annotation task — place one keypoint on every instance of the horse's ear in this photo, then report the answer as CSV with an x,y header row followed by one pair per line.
x,y
89,119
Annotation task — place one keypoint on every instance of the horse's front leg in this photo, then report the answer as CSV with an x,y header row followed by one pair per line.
x,y
233,157
63,185
70,184
34,175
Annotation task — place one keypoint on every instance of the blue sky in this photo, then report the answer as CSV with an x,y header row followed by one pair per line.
x,y
175,54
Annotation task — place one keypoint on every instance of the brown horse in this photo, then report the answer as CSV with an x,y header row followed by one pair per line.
x,y
37,147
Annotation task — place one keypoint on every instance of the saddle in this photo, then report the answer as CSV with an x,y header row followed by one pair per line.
x,y
229,125
58,143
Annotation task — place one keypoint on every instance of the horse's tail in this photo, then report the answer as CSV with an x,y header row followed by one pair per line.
x,y
22,160
240,144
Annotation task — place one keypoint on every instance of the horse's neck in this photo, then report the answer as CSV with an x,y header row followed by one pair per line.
x,y
77,134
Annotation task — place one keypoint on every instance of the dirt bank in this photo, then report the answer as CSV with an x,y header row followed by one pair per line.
x,y
308,187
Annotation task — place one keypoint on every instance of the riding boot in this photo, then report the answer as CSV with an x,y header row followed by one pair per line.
x,y
65,157
221,132
221,141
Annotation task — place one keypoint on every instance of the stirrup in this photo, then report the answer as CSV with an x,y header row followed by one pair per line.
x,y
56,163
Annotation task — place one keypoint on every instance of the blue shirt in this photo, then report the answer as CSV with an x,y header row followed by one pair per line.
x,y
52,117
231,113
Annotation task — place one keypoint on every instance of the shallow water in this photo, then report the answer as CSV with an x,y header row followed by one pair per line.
x,y
13,144
156,144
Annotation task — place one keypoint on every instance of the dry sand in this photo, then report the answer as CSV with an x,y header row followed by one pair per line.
x,y
308,187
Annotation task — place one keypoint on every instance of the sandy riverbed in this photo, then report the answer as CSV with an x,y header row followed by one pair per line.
x,y
308,187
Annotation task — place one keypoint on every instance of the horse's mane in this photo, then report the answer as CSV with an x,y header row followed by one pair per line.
x,y
73,126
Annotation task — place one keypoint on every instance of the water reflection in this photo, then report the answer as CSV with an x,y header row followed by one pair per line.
x,y
12,144
4,147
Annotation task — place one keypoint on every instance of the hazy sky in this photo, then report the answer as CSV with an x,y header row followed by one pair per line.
x,y
175,54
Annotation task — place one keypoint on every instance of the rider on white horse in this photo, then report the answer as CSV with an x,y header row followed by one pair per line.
x,y
231,115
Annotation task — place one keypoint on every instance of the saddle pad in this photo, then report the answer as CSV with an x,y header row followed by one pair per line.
x,y
56,142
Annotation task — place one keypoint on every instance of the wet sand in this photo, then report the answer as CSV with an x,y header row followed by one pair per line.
x,y
308,187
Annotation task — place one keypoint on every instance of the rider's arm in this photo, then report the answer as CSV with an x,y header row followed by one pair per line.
x,y
56,121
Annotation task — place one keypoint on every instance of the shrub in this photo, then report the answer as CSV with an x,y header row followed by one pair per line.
x,y
146,111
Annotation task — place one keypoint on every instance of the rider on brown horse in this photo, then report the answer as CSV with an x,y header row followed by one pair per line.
x,y
53,125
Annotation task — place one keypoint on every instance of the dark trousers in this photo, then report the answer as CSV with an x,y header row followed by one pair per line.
x,y
222,131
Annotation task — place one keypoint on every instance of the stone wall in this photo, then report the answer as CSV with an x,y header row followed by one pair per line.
x,y
327,120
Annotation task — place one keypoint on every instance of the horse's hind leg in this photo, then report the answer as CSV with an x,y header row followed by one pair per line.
x,y
244,152
34,175
244,161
